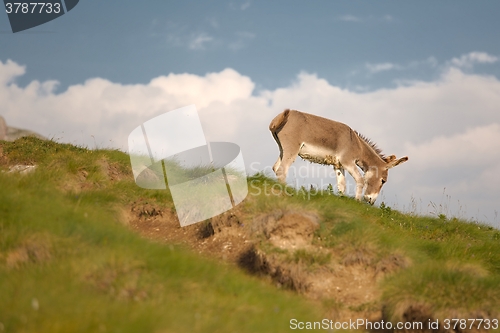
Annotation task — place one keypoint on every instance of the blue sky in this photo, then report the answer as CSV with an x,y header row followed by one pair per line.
x,y
271,42
420,78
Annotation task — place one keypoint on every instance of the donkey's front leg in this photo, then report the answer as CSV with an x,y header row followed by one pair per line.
x,y
340,173
358,178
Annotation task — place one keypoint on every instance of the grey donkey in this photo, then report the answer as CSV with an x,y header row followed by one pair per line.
x,y
329,142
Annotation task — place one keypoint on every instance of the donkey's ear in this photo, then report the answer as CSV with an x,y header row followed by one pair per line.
x,y
390,158
394,163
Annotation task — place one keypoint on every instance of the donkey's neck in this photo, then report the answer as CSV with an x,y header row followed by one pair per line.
x,y
369,158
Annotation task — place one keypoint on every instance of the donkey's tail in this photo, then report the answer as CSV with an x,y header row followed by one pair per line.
x,y
276,125
278,122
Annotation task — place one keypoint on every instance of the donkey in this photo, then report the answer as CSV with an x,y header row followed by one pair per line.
x,y
328,142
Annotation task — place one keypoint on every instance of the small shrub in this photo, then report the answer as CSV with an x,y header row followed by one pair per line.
x,y
386,210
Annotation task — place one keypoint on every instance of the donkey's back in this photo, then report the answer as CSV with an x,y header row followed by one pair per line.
x,y
304,127
313,138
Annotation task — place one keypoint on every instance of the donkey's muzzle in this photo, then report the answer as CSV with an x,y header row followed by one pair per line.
x,y
369,199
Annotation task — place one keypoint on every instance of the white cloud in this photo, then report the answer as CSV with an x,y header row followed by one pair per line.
x,y
474,147
449,128
179,37
107,110
199,41
386,66
465,164
9,71
468,60
225,87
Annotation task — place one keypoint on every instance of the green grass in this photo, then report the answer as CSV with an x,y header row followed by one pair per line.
x,y
310,258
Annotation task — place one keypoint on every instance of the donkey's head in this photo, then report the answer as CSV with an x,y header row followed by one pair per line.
x,y
376,177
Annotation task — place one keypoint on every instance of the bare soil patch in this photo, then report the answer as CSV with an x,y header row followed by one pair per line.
x,y
223,237
278,246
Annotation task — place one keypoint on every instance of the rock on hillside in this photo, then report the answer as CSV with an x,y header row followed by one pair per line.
x,y
12,133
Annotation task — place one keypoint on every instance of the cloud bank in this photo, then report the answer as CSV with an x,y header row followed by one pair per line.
x,y
468,60
450,127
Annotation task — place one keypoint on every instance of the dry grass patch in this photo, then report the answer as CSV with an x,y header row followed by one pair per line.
x,y
34,249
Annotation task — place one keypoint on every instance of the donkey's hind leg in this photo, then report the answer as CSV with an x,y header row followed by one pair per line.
x,y
287,157
280,158
277,165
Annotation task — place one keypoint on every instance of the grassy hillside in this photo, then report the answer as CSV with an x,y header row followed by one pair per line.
x,y
423,267
83,249
67,264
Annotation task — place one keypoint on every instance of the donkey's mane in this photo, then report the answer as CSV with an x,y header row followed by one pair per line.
x,y
372,145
